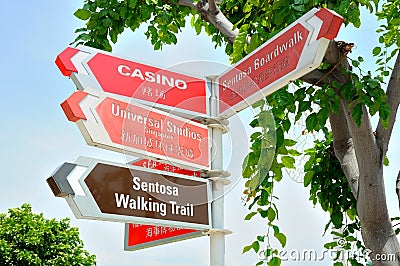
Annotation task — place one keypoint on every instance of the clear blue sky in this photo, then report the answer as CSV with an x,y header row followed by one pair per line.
x,y
36,138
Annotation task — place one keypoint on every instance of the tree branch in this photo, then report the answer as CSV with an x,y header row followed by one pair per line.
x,y
212,6
335,56
211,13
344,150
218,19
393,99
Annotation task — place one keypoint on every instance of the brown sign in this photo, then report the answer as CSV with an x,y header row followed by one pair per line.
x,y
131,192
101,190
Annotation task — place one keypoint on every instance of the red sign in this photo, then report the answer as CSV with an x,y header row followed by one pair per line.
x,y
144,236
138,130
151,164
90,67
295,51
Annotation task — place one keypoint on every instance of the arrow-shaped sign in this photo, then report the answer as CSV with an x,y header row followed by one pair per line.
x,y
102,190
289,55
93,68
138,130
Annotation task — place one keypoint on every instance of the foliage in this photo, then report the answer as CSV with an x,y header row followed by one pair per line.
x,y
347,246
30,239
258,170
328,184
105,20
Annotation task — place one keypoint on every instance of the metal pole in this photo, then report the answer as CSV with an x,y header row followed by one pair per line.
x,y
217,237
217,234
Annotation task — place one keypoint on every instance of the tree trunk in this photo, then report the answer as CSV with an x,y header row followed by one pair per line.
x,y
361,155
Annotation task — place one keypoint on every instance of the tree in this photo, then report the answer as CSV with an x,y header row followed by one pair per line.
x,y
30,239
345,167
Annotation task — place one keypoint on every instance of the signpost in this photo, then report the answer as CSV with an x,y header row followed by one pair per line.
x,y
107,191
161,202
138,130
93,68
289,55
146,236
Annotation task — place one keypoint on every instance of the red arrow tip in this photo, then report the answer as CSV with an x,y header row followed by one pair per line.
x,y
71,106
331,23
63,61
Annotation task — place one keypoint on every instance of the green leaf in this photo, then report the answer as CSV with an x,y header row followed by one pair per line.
x,y
286,124
113,35
312,122
82,14
288,162
355,63
337,219
263,213
250,215
239,43
281,238
330,245
352,213
256,246
261,238
247,248
254,41
197,26
247,172
271,214
386,161
308,177
255,181
246,166
303,106
247,7
356,113
264,197
376,51
384,114
294,152
289,142
275,261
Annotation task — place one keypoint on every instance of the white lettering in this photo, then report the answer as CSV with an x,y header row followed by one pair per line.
x,y
156,187
152,77
187,210
121,69
140,203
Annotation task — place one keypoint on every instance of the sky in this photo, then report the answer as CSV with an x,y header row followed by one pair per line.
x,y
36,138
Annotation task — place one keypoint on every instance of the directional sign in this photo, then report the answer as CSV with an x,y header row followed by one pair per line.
x,y
144,236
289,55
101,190
93,68
138,130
